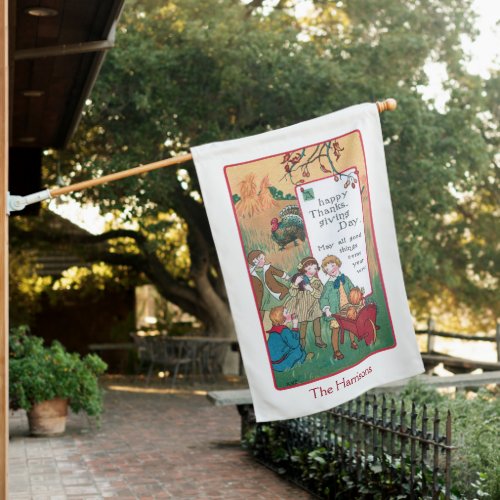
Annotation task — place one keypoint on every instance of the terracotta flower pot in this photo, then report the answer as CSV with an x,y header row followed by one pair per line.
x,y
48,417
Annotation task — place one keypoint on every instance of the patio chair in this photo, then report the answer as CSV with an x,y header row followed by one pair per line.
x,y
142,349
212,358
175,356
159,352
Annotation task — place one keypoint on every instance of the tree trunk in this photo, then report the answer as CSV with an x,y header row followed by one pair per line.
x,y
220,320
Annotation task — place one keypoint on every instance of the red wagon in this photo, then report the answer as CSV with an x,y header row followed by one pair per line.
x,y
363,326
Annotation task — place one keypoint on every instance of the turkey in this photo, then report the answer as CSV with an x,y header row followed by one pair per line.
x,y
289,229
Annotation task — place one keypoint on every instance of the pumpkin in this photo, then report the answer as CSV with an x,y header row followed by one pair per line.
x,y
352,312
355,296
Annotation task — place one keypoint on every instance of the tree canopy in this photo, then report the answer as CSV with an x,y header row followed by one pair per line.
x,y
186,72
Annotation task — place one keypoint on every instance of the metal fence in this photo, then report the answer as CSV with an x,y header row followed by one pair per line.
x,y
372,441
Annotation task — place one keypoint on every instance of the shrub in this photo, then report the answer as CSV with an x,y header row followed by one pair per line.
x,y
38,373
476,434
475,464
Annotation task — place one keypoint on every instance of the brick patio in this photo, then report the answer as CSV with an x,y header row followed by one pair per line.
x,y
159,444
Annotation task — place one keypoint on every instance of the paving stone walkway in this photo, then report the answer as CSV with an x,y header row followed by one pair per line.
x,y
152,443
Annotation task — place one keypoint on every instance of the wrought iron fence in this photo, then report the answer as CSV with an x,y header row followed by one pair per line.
x,y
368,445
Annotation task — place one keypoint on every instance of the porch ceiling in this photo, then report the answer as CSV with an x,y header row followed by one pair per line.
x,y
55,56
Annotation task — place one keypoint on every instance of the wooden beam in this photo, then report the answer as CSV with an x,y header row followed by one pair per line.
x,y
63,50
463,381
433,359
4,248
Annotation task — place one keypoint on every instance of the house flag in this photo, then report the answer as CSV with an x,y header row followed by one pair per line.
x,y
303,225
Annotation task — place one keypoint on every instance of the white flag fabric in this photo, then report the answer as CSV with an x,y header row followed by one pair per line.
x,y
303,225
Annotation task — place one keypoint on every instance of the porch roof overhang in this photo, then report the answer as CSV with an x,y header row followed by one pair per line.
x,y
57,48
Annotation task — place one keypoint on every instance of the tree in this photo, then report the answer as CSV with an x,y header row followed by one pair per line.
x,y
186,72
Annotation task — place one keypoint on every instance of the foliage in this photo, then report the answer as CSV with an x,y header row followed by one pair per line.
x,y
190,72
476,434
39,373
333,472
475,460
277,194
30,288
421,394
25,286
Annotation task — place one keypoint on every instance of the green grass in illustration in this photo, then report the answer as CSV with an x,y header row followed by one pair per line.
x,y
256,235
323,364
254,238
286,259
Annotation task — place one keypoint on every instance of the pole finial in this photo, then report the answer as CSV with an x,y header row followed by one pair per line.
x,y
387,105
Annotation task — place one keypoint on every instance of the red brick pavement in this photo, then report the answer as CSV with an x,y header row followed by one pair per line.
x,y
150,445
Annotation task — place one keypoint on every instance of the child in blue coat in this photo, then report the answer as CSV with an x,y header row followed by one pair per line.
x,y
284,345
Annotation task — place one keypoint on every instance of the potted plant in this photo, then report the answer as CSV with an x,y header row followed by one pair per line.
x,y
45,380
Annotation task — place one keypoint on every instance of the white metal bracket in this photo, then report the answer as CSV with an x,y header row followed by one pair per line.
x,y
16,203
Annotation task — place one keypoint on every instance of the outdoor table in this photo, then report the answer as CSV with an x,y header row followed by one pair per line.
x,y
202,350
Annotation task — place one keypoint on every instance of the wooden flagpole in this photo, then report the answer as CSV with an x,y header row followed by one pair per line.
x,y
387,105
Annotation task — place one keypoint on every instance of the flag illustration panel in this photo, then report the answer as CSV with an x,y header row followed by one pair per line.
x,y
305,206
302,222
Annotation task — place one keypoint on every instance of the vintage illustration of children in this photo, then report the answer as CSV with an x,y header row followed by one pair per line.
x,y
334,297
284,345
305,293
269,292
